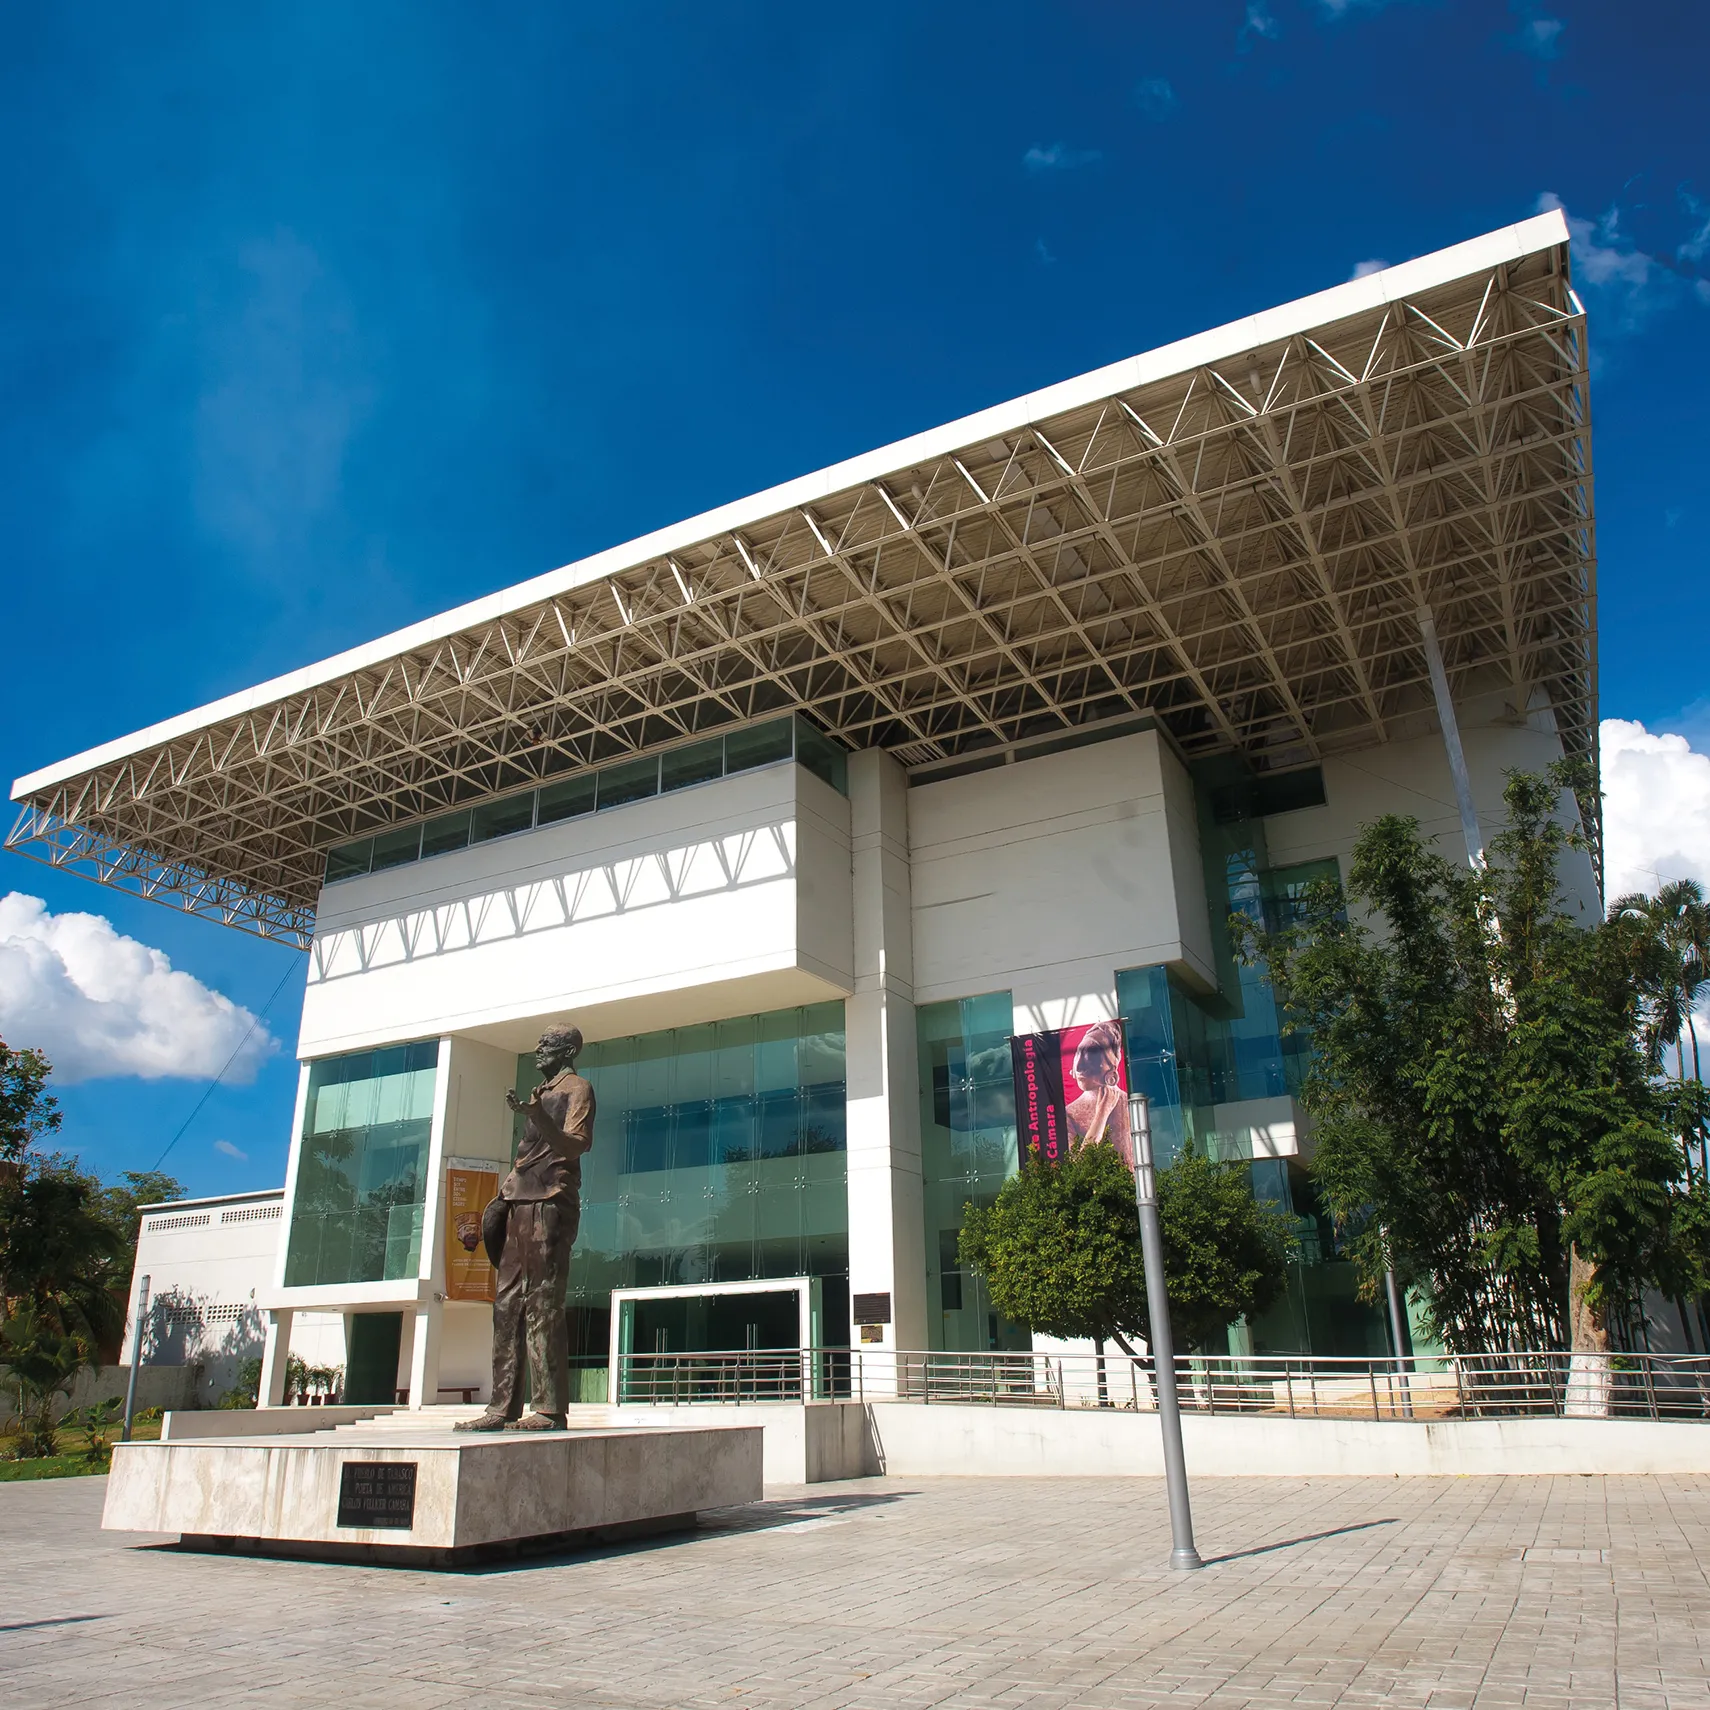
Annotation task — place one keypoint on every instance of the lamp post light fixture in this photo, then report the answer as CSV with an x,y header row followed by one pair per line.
x,y
1182,1554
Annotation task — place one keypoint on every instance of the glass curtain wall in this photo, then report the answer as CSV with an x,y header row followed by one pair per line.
x,y
968,1151
719,1156
362,1176
1216,1068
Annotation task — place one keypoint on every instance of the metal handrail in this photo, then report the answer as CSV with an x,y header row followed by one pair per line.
x,y
1523,1383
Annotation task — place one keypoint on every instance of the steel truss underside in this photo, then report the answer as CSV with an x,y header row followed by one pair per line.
x,y
1241,550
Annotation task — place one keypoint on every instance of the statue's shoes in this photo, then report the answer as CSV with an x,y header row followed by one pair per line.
x,y
540,1422
489,1421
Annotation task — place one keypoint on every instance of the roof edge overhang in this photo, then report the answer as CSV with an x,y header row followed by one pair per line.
x,y
1356,296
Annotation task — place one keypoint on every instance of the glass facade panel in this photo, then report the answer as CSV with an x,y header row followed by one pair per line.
x,y
501,818
588,792
450,831
718,1157
362,1176
397,848
759,745
1217,1067
634,781
821,756
568,800
349,859
699,763
968,1151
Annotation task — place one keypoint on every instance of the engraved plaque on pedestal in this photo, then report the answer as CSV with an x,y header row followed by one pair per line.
x,y
377,1494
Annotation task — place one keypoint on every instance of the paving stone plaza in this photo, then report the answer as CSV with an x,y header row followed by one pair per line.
x,y
1537,1592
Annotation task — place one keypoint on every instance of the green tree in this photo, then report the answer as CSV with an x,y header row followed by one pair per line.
x,y
67,1244
27,1110
1485,1117
1671,964
1059,1248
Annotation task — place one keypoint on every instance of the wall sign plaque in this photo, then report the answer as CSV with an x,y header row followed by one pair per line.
x,y
871,1308
377,1494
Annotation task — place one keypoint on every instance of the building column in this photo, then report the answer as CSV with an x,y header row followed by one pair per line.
x,y
424,1353
886,1246
275,1351
1471,832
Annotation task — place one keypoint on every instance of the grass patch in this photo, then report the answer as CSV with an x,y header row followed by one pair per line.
x,y
72,1460
47,1466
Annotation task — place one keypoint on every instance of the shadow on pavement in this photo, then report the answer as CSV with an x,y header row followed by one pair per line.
x,y
1290,1543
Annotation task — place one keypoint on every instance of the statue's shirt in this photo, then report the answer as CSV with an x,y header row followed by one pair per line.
x,y
558,1127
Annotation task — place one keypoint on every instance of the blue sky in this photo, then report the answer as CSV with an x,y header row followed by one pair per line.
x,y
318,319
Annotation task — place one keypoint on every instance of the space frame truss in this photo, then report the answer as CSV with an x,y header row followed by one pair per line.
x,y
1240,550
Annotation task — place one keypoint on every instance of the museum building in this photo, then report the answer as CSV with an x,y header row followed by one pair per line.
x,y
805,808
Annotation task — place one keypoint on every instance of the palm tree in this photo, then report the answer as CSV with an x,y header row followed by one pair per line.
x,y
1671,956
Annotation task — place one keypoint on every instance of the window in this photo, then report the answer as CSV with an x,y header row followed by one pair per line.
x,y
589,792
718,1157
356,1215
968,1151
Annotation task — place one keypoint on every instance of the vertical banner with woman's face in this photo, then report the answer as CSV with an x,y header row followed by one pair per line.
x,y
469,1186
1071,1090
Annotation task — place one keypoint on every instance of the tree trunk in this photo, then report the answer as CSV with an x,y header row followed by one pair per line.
x,y
1103,1392
1588,1384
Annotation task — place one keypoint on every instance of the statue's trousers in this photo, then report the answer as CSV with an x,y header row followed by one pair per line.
x,y
528,1307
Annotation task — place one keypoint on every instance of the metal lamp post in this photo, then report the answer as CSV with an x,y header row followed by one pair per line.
x,y
138,1339
1183,1554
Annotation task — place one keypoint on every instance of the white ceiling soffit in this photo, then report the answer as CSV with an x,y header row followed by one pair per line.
x,y
1234,533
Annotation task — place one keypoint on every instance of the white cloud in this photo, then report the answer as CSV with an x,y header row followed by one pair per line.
x,y
99,1003
1540,37
1261,23
1656,808
1059,157
1155,98
1362,268
231,1151
1631,281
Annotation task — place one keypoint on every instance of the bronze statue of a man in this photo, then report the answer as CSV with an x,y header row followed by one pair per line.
x,y
529,1231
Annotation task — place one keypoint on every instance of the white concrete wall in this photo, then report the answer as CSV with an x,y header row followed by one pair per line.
x,y
1413,778
912,1441
883,1058
727,898
1046,876
209,1263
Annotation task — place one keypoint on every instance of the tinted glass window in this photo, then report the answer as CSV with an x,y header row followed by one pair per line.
x,y
448,832
759,746
501,818
698,764
394,848
566,800
632,782
349,859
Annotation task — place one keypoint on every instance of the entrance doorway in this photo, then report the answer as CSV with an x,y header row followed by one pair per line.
x,y
371,1358
711,1342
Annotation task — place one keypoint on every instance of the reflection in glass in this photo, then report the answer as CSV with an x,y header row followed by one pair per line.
x,y
968,1151
718,1157
362,1174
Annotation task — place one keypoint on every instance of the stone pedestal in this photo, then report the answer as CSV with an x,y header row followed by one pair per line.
x,y
467,1499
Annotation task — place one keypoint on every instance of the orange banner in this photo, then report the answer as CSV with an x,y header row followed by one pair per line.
x,y
468,1273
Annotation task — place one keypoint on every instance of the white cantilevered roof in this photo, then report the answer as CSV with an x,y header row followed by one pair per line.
x,y
1235,533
